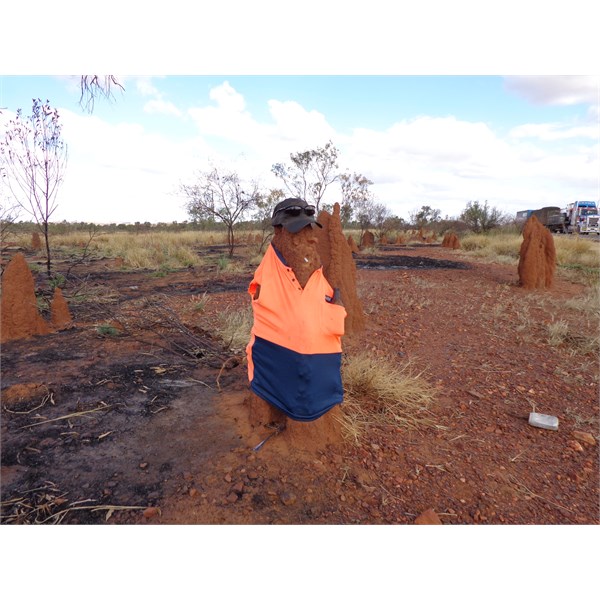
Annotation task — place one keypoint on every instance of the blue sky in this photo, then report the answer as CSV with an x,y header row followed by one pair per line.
x,y
441,141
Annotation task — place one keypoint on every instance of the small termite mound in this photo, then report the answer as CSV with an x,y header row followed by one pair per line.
x,y
451,241
367,240
59,310
537,256
20,315
36,241
352,244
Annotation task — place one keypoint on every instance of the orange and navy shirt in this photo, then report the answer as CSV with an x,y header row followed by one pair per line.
x,y
295,349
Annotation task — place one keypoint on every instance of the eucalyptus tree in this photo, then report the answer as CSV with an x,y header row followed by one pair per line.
x,y
425,216
481,217
355,193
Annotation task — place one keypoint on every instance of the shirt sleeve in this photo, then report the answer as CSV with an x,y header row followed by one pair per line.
x,y
256,281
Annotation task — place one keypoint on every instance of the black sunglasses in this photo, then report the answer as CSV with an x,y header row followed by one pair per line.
x,y
296,211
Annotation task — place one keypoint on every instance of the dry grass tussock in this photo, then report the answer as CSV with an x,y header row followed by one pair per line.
x,y
146,250
234,328
571,324
577,341
157,250
378,392
497,248
588,303
578,258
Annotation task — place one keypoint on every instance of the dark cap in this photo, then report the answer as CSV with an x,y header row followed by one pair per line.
x,y
294,214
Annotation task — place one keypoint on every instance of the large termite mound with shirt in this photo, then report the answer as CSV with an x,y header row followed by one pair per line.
x,y
294,354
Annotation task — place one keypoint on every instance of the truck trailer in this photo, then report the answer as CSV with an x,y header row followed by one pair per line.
x,y
580,216
551,217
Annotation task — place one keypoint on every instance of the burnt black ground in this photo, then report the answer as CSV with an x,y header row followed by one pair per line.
x,y
405,262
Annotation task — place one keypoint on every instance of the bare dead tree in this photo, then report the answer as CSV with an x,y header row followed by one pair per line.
x,y
93,86
34,157
221,197
310,173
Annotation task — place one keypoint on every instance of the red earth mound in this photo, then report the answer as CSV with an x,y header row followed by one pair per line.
x,y
36,242
59,310
339,267
367,240
451,241
20,316
537,256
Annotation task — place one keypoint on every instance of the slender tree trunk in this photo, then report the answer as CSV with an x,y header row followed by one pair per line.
x,y
47,240
230,240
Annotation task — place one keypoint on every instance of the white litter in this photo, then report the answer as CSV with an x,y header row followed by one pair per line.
x,y
543,421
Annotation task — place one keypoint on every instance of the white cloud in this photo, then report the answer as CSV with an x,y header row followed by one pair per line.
x,y
145,87
234,125
227,98
293,123
554,131
158,104
161,107
121,173
445,162
556,90
429,146
292,129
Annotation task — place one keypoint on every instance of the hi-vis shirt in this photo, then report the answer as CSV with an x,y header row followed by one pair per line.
x,y
295,349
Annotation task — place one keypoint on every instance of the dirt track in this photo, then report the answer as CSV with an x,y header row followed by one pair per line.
x,y
154,416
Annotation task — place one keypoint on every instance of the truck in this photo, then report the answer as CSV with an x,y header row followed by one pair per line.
x,y
580,216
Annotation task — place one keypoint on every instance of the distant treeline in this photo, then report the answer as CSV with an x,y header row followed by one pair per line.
x,y
204,225
137,227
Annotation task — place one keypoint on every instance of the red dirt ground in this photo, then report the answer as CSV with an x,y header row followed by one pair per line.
x,y
143,421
